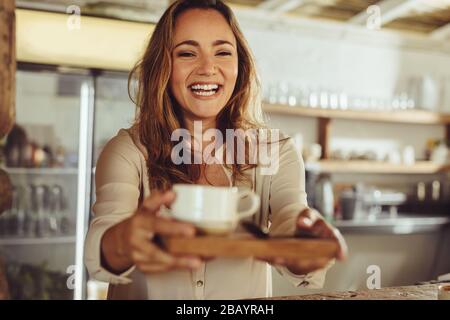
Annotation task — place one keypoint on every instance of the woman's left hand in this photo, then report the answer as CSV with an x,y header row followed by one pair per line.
x,y
310,221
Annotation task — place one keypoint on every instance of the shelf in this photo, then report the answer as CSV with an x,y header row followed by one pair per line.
x,y
36,241
341,166
44,171
325,116
403,224
401,116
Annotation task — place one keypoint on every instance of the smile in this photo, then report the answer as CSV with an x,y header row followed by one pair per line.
x,y
205,90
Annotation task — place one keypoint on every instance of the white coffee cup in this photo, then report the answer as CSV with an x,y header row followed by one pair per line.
x,y
213,210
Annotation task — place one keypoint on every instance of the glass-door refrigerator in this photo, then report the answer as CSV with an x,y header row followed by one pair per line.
x,y
64,119
48,155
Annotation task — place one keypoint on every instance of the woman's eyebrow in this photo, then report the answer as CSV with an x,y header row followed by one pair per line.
x,y
196,44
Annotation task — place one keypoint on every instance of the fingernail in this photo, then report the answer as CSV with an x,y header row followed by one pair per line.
x,y
306,221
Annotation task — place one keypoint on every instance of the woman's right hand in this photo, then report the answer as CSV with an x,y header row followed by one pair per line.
x,y
130,241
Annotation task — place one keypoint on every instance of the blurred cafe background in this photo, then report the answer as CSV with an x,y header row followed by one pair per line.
x,y
362,86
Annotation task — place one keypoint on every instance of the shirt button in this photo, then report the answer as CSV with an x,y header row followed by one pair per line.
x,y
199,283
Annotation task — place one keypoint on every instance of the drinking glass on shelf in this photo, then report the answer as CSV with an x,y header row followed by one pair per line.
x,y
430,93
29,208
21,214
395,103
53,215
313,99
42,214
304,97
343,101
403,101
55,208
408,155
323,99
334,100
300,97
292,96
283,93
60,223
410,103
15,221
413,88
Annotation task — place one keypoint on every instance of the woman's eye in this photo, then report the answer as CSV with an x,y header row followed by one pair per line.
x,y
224,53
185,54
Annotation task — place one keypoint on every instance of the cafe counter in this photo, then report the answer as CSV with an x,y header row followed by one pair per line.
x,y
417,292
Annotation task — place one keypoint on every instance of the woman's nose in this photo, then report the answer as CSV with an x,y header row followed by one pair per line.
x,y
207,66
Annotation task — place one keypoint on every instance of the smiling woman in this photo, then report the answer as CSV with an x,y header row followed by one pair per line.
x,y
206,72
197,69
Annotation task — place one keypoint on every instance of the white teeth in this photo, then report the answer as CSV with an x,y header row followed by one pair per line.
x,y
205,86
204,90
204,93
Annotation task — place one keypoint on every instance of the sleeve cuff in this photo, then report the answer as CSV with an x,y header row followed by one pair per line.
x,y
93,256
312,280
104,275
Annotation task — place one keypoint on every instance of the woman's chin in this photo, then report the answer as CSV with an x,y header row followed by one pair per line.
x,y
205,111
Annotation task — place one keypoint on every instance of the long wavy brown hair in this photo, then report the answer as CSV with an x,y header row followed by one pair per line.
x,y
159,114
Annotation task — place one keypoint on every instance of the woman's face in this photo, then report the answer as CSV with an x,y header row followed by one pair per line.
x,y
205,63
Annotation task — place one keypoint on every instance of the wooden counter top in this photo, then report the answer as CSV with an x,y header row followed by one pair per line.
x,y
419,292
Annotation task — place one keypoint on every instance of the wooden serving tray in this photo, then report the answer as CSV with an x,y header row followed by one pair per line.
x,y
248,246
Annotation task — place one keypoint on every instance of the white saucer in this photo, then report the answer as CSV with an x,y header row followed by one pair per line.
x,y
213,227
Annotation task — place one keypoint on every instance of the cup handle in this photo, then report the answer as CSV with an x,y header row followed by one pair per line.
x,y
254,206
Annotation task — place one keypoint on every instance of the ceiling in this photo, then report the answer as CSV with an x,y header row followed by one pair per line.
x,y
428,17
